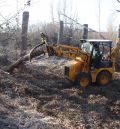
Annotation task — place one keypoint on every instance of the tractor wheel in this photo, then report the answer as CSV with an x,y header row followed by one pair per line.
x,y
104,78
84,80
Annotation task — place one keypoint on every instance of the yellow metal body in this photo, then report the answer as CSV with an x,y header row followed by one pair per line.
x,y
75,67
80,62
95,73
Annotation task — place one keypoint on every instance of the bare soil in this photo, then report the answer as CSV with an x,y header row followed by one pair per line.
x,y
39,97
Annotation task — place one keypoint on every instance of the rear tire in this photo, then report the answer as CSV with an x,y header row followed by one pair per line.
x,y
104,78
83,80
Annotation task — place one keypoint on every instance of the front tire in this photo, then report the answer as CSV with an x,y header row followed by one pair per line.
x,y
104,78
84,80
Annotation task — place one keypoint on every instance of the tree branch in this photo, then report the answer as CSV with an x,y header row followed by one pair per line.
x,y
118,1
118,11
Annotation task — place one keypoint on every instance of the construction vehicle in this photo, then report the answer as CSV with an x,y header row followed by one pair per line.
x,y
83,69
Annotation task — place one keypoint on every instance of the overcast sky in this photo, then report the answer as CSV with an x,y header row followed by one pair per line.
x,y
86,11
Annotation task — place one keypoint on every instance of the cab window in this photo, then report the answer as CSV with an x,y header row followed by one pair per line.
x,y
86,47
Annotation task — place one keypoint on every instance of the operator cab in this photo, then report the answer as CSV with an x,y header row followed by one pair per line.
x,y
100,52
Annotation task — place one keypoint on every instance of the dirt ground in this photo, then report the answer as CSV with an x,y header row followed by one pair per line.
x,y
41,98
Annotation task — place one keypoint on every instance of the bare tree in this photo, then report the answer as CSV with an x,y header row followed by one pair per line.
x,y
52,13
111,30
66,13
118,1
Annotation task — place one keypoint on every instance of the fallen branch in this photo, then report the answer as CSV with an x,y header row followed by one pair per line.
x,y
27,57
45,48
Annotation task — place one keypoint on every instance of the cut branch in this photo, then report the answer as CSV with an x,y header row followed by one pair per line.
x,y
44,48
33,53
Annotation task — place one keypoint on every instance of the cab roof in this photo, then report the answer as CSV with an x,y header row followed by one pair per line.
x,y
97,41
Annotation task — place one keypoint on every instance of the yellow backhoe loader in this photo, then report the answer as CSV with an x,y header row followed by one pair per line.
x,y
93,61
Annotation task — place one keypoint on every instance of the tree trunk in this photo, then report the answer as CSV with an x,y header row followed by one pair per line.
x,y
32,54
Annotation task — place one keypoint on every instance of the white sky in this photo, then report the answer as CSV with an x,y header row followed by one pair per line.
x,y
85,10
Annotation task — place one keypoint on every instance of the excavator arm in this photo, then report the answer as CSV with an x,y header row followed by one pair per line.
x,y
115,50
65,51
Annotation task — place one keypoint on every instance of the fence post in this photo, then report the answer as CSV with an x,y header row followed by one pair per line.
x,y
117,64
85,31
24,32
60,37
119,32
